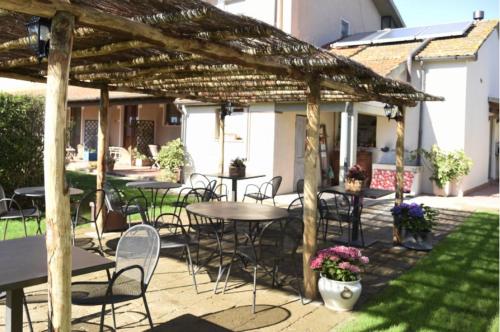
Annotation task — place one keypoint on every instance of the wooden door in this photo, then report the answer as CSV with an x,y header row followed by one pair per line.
x,y
300,147
130,127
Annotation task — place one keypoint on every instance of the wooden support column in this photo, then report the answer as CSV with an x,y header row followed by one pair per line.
x,y
222,118
57,212
102,149
311,186
400,156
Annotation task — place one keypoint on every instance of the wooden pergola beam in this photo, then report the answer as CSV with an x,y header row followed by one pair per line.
x,y
57,211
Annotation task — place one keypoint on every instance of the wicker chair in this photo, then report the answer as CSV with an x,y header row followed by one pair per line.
x,y
266,190
137,255
87,212
11,210
172,236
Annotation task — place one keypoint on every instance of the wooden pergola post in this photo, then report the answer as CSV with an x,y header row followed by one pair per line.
x,y
311,186
57,212
222,117
400,157
102,148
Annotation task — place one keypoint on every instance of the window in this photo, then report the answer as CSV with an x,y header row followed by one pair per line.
x,y
173,115
344,28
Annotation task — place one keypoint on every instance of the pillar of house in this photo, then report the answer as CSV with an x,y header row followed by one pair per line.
x,y
348,139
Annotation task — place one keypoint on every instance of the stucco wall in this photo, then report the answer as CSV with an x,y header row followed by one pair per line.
x,y
318,21
263,10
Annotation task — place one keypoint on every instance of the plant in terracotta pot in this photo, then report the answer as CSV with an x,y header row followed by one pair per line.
x,y
237,167
141,159
171,159
460,166
340,270
416,222
355,178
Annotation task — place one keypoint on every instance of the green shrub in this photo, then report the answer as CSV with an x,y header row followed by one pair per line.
x,y
21,141
460,164
171,155
438,162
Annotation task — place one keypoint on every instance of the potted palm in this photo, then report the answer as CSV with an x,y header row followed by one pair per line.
x,y
355,178
340,270
171,160
416,222
460,166
237,167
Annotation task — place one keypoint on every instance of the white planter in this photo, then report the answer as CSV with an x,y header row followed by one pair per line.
x,y
445,191
456,188
339,295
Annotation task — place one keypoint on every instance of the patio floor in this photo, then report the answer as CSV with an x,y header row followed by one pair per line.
x,y
175,306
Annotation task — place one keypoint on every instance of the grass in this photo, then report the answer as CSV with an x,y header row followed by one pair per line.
x,y
86,182
454,288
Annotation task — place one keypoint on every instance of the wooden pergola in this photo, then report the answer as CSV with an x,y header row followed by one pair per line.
x,y
175,48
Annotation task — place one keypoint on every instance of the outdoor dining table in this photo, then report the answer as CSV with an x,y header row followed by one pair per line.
x,y
154,186
24,264
237,212
234,181
356,202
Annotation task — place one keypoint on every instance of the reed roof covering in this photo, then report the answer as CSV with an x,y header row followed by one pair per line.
x,y
189,49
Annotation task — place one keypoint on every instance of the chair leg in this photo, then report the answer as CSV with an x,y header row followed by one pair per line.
x,y
147,310
362,235
191,268
101,325
227,277
114,318
274,203
5,229
254,288
27,313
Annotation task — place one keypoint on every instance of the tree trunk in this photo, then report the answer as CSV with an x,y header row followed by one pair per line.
x,y
311,186
102,148
400,152
57,211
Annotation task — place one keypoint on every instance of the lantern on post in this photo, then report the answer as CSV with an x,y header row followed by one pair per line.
x,y
226,109
39,35
391,112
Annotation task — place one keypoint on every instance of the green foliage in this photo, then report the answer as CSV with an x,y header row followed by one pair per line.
x,y
238,163
446,166
21,141
460,164
138,155
171,155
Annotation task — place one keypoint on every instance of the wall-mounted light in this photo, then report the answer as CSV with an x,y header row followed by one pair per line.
x,y
226,109
39,35
391,112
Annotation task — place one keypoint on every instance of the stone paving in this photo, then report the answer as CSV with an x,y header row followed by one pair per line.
x,y
175,306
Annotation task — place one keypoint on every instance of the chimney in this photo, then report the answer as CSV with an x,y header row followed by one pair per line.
x,y
478,15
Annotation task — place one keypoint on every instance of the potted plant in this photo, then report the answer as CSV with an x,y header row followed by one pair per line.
x,y
141,159
355,178
237,167
171,158
460,166
340,269
416,222
439,164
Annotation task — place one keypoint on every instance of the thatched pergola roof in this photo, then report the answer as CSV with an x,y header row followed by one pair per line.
x,y
189,49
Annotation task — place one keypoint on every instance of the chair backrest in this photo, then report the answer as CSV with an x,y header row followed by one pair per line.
x,y
153,149
140,246
276,182
296,208
300,187
113,199
337,203
3,204
198,180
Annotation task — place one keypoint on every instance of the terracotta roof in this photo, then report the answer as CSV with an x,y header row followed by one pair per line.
x,y
385,58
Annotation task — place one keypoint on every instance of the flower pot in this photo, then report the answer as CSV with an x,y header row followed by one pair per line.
x,y
142,162
237,171
445,191
353,185
420,241
456,188
339,295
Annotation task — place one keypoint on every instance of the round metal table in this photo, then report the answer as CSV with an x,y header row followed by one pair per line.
x,y
39,192
154,186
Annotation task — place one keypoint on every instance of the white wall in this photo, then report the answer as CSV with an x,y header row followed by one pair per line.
x,y
263,10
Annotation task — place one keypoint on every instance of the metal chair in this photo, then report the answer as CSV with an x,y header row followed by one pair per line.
x,y
173,235
266,190
137,255
300,187
117,201
87,212
198,180
336,206
11,210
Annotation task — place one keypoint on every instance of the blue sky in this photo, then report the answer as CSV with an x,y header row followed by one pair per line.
x,y
428,12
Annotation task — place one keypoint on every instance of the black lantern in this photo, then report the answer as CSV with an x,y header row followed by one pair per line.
x,y
226,109
391,112
39,35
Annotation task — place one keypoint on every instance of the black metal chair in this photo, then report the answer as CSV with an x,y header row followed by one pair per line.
x,y
336,206
11,210
137,255
172,236
87,212
117,201
266,190
199,180
300,187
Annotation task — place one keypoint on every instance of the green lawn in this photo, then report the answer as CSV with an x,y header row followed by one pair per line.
x,y
454,288
86,182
